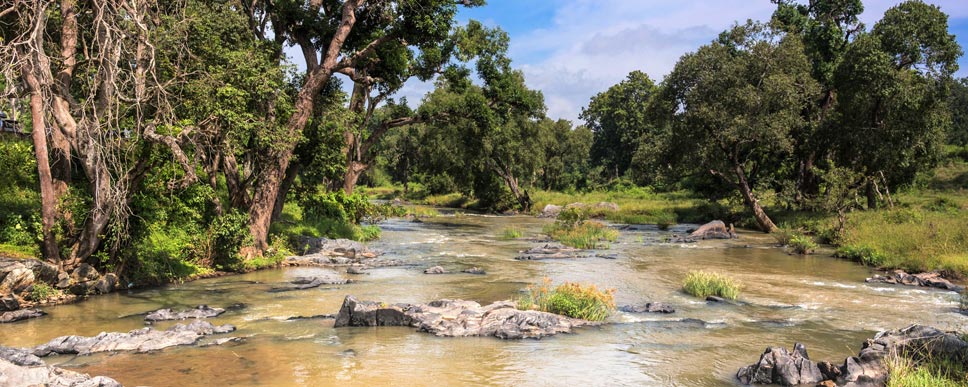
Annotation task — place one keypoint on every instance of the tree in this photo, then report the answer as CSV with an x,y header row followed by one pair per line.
x,y
333,37
893,103
734,105
826,28
618,117
958,105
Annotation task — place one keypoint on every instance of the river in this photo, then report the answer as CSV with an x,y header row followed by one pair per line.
x,y
820,301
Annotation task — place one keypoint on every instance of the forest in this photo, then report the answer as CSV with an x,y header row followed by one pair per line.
x,y
160,141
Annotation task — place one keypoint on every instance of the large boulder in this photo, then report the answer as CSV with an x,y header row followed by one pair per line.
x,y
16,280
714,230
457,318
868,368
138,340
85,273
550,211
9,302
43,271
198,312
19,367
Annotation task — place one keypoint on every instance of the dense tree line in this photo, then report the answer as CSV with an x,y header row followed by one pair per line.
x,y
166,136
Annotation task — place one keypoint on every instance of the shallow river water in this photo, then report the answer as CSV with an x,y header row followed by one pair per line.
x,y
820,301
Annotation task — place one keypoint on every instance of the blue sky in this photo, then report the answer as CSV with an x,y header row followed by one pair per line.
x,y
574,49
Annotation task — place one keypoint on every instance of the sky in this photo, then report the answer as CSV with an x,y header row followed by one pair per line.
x,y
574,49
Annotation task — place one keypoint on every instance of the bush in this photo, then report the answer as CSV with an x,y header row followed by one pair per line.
x,y
510,233
41,291
702,284
570,299
229,233
802,244
863,254
926,370
368,233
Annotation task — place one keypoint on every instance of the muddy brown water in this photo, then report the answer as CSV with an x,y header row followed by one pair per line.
x,y
817,300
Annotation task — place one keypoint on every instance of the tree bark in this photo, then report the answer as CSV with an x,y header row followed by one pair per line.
x,y
352,175
871,196
762,219
291,173
48,200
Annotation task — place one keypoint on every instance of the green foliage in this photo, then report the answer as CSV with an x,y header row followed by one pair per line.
x,y
702,284
619,118
802,244
229,234
42,291
862,253
570,299
510,233
571,217
584,235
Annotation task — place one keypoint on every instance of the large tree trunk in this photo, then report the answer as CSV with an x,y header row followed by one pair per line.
x,y
524,200
352,175
291,174
48,200
871,195
268,184
762,219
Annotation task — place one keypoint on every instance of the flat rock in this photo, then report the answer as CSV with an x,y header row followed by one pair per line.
x,y
930,279
138,340
868,368
648,307
303,283
716,229
326,260
20,315
458,318
18,367
198,312
555,251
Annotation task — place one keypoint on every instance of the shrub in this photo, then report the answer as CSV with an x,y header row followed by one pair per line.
x,y
702,284
571,217
41,291
570,299
510,233
229,233
802,244
368,233
863,254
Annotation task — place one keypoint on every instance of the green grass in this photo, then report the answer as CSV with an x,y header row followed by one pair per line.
x,y
19,252
587,235
511,233
637,206
292,224
702,284
570,299
928,372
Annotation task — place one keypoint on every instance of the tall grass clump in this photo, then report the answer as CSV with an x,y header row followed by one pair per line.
x,y
511,233
802,244
702,284
570,299
926,371
572,228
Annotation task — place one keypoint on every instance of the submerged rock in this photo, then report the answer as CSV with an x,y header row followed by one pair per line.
x,y
474,270
355,270
930,279
302,283
18,367
435,270
554,251
457,318
648,307
138,340
868,368
19,315
198,312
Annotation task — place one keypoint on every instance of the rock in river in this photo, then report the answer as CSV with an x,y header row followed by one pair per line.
x,y
201,311
303,283
648,307
435,270
138,340
712,230
868,368
458,318
930,279
18,367
18,315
